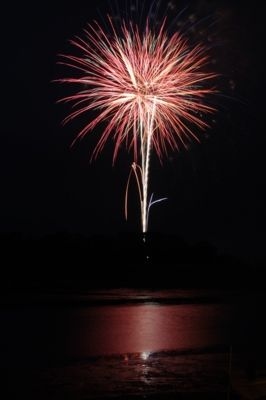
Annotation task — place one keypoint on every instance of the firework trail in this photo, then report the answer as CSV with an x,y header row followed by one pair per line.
x,y
148,88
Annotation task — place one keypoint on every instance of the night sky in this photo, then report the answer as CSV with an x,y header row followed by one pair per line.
x,y
215,190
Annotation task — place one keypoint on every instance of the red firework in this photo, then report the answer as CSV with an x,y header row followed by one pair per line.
x,y
148,88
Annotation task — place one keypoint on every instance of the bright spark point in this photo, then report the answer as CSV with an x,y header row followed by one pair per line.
x,y
145,355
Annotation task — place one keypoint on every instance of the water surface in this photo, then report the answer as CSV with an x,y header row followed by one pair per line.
x,y
118,342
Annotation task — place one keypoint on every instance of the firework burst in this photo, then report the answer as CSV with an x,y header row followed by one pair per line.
x,y
148,88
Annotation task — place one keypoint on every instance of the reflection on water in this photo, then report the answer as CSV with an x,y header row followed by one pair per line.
x,y
147,328
124,349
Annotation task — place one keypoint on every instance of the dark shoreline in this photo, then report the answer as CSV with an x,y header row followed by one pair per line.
x,y
72,301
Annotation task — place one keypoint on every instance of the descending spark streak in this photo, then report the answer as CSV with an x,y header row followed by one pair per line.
x,y
152,202
147,88
145,167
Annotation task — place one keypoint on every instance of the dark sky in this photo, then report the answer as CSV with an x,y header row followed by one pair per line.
x,y
215,190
